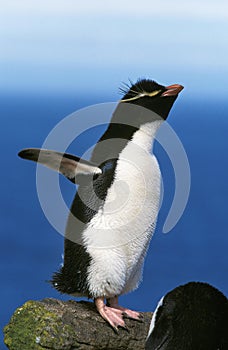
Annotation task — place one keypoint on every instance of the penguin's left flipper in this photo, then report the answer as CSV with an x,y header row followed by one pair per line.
x,y
73,168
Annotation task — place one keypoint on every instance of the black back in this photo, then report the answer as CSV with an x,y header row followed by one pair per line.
x,y
127,118
191,317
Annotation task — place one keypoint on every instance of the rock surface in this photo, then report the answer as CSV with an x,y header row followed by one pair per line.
x,y
70,325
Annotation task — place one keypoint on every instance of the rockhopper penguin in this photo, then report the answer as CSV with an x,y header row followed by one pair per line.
x,y
114,212
190,317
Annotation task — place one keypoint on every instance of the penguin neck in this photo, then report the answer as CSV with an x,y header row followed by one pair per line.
x,y
117,136
144,136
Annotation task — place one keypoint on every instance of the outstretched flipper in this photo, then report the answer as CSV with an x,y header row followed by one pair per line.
x,y
72,167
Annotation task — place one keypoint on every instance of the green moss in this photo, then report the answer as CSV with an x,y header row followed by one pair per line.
x,y
33,327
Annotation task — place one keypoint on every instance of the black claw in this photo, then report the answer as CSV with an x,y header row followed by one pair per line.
x,y
126,329
141,317
115,328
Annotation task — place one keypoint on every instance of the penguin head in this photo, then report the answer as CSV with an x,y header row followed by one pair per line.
x,y
152,96
192,316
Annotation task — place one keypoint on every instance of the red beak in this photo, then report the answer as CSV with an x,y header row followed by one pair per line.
x,y
172,90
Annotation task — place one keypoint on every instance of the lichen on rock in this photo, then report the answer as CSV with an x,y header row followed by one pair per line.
x,y
69,325
30,327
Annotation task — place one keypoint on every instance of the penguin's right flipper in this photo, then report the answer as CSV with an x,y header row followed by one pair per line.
x,y
72,167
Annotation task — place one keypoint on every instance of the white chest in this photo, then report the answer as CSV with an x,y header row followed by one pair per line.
x,y
119,234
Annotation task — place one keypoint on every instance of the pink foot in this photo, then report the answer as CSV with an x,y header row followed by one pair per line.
x,y
129,313
112,315
113,302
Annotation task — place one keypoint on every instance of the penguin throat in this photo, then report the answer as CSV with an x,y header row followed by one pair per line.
x,y
144,136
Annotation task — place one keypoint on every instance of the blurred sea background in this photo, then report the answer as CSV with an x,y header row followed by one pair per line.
x,y
59,57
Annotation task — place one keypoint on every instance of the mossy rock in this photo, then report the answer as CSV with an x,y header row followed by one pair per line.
x,y
34,327
70,325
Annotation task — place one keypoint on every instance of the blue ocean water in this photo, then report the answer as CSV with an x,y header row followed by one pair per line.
x,y
195,250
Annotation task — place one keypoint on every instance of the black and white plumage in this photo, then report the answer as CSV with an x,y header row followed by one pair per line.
x,y
190,317
105,247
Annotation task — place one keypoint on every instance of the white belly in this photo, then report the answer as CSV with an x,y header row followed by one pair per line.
x,y
119,234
